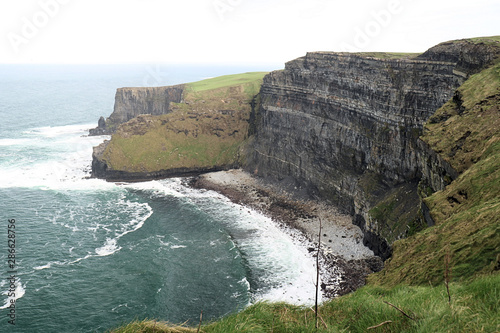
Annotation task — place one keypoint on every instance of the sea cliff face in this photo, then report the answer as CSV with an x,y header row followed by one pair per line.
x,y
345,127
131,102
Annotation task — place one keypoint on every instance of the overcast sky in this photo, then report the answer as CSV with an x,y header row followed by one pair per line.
x,y
230,31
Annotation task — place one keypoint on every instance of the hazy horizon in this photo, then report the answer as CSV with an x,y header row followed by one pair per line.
x,y
234,32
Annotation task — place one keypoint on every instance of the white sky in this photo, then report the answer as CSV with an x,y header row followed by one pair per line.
x,y
230,31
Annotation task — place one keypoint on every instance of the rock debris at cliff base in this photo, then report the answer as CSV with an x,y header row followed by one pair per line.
x,y
343,253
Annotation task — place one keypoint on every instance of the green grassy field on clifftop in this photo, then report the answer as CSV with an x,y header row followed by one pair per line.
x,y
205,130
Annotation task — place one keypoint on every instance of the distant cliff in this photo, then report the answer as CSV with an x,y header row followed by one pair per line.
x,y
131,102
176,131
345,127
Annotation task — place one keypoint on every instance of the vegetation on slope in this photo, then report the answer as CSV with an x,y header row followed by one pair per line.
x,y
252,81
204,131
466,133
487,40
474,307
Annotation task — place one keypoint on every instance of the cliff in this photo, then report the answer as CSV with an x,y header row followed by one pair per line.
x,y
342,127
464,206
360,130
345,127
131,102
200,130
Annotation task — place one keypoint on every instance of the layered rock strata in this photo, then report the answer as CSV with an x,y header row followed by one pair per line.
x,y
345,128
468,56
131,102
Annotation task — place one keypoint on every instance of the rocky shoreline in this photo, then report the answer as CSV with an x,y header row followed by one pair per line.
x,y
342,251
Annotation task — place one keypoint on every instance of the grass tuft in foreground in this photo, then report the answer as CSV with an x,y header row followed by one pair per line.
x,y
474,307
152,326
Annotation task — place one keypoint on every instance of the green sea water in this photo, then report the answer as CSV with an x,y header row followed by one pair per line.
x,y
91,255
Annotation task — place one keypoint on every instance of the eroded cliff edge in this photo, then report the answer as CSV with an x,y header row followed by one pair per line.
x,y
345,127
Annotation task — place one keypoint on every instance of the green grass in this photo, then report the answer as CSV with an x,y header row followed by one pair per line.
x,y
474,307
204,131
486,40
481,85
227,81
152,326
461,136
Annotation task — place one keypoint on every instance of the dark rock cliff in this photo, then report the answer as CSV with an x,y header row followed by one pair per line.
x,y
131,102
341,127
468,56
345,128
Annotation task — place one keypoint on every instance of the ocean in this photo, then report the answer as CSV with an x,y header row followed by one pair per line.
x,y
84,255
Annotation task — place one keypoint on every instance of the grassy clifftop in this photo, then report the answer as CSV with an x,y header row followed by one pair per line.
x,y
203,131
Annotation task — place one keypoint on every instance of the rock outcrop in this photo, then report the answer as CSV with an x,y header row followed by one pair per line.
x,y
177,131
345,127
469,57
131,102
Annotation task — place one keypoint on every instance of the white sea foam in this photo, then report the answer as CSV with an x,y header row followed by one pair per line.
x,y
115,227
81,259
66,164
39,268
58,131
119,306
244,282
14,142
50,265
158,188
163,243
42,287
280,252
108,248
140,212
16,293
289,270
